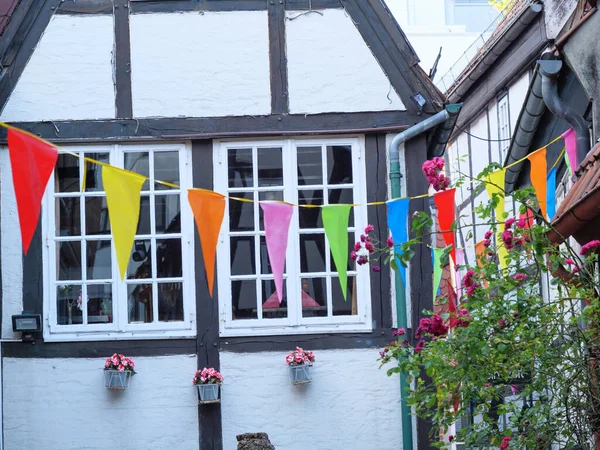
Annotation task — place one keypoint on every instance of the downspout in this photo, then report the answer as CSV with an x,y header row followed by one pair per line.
x,y
550,70
395,176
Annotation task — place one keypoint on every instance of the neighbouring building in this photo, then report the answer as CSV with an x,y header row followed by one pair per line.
x,y
295,100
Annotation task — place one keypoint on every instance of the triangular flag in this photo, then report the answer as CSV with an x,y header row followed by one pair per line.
x,y
437,270
123,200
538,176
460,260
398,225
479,252
208,208
444,202
32,161
568,164
335,222
494,185
277,217
551,194
571,145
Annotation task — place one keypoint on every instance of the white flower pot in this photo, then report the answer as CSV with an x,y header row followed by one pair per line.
x,y
300,374
208,392
113,379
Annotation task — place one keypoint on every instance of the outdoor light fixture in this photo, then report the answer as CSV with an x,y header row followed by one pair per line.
x,y
419,99
27,324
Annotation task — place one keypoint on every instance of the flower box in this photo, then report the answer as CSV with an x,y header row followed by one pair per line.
x,y
208,381
117,380
300,374
208,393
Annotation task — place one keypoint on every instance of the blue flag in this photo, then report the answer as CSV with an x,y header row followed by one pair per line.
x,y
398,225
551,193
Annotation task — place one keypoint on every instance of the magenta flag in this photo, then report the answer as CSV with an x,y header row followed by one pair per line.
x,y
571,145
277,217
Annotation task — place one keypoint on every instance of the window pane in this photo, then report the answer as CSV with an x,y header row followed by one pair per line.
x,y
312,253
140,266
265,262
67,173
269,196
98,257
270,302
99,304
170,302
270,168
144,220
166,168
68,305
351,242
243,299
96,216
310,166
68,221
240,167
341,307
168,219
241,214
242,255
310,217
339,164
93,177
69,256
314,297
139,303
344,196
168,258
139,162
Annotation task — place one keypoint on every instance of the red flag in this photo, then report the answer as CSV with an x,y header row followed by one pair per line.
x,y
32,161
208,208
444,202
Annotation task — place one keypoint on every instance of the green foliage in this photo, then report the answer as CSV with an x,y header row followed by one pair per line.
x,y
509,351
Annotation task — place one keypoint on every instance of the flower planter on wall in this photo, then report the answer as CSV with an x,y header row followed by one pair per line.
x,y
208,393
300,374
117,380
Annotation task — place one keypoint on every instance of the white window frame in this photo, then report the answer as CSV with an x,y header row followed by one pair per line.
x,y
120,328
503,125
294,323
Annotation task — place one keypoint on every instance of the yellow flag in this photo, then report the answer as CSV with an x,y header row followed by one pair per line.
x,y
494,184
123,199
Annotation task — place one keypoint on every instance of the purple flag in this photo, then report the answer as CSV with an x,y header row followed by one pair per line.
x,y
277,217
571,145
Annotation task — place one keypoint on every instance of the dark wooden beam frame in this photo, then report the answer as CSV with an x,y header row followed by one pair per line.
x,y
211,127
277,58
123,94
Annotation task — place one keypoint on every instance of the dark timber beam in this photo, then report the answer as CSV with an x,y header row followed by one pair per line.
x,y
123,95
162,6
212,127
277,58
76,7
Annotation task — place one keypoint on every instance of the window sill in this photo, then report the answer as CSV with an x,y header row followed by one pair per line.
x,y
298,329
118,336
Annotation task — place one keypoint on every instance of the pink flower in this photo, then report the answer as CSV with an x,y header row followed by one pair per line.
x,y
507,238
363,238
569,261
438,328
505,442
468,278
509,223
589,247
369,228
463,319
370,247
450,438
487,243
420,346
353,255
575,269
399,332
471,290
390,242
424,326
357,246
121,368
521,223
488,234
376,269
362,259
520,277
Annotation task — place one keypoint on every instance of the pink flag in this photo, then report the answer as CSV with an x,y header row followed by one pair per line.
x,y
277,217
460,260
571,145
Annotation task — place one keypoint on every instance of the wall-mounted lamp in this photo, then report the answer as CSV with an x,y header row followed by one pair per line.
x,y
27,324
419,99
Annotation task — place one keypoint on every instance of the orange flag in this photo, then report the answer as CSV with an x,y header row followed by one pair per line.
x,y
32,161
208,208
538,176
479,252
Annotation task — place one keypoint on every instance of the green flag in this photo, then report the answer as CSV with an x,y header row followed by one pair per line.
x,y
335,222
437,270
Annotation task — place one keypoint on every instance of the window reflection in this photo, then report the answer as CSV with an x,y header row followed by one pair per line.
x,y
243,299
271,308
240,167
339,164
69,310
170,302
99,305
139,303
314,297
270,168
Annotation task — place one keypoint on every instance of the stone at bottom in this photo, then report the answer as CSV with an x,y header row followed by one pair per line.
x,y
254,441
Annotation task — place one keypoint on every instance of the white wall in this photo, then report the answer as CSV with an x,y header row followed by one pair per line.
x,y
69,75
517,92
10,248
350,404
331,69
62,404
200,65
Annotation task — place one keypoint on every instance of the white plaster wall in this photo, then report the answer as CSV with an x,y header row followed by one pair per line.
x,y
10,248
556,15
69,75
517,92
200,65
331,69
350,404
62,404
479,148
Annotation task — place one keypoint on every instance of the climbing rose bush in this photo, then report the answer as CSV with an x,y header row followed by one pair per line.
x,y
499,347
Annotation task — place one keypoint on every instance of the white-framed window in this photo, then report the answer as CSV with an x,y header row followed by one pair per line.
x,y
84,296
298,171
503,126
